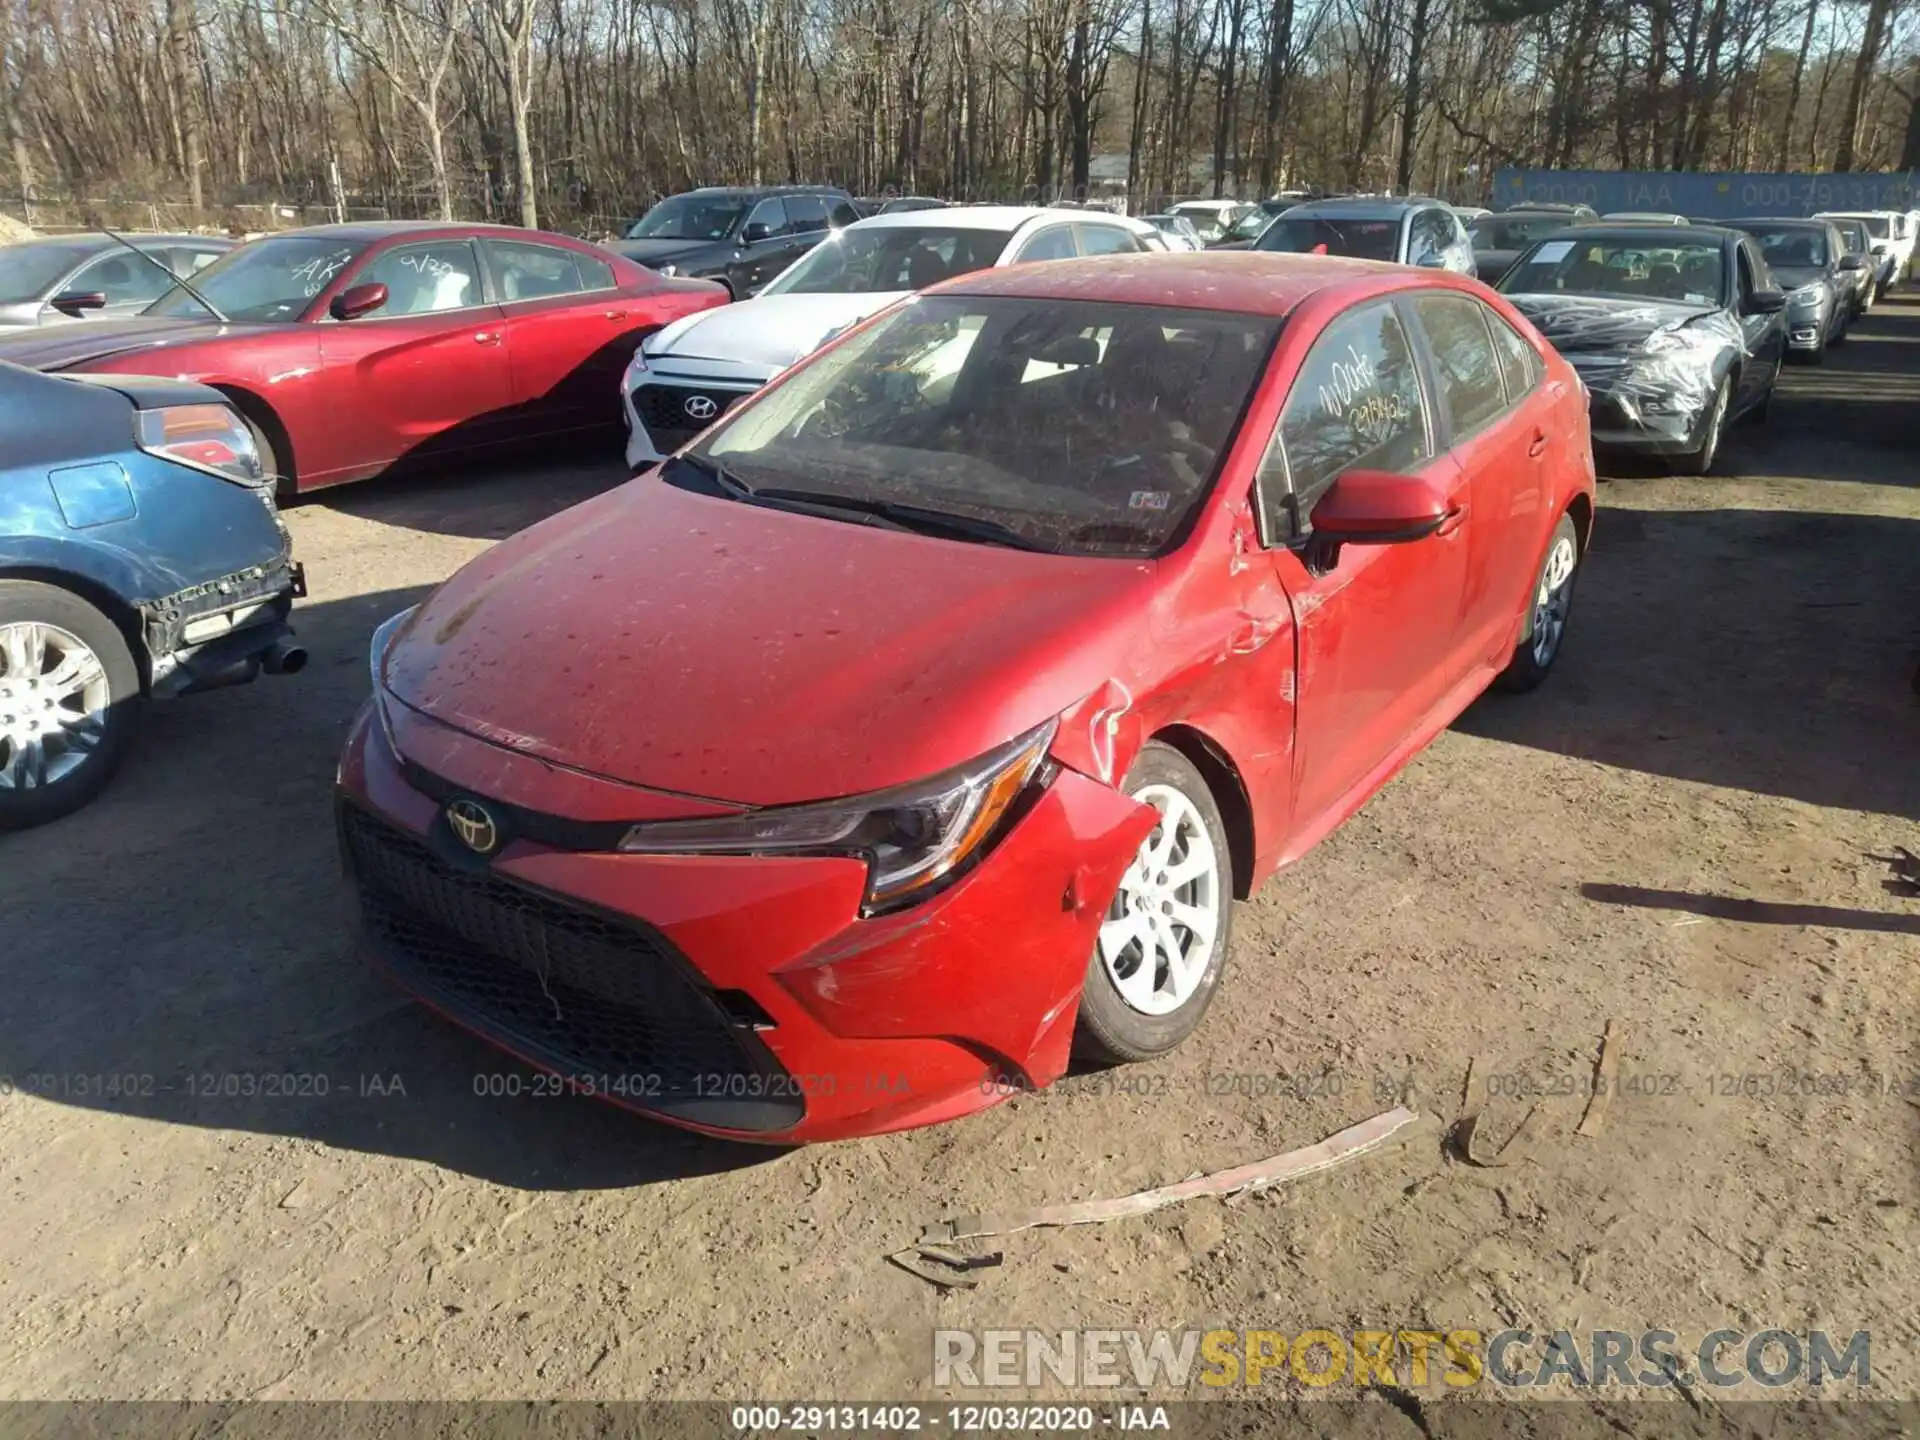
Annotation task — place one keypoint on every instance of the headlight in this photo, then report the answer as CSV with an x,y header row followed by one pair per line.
x,y
376,656
212,438
636,367
1807,294
913,838
669,270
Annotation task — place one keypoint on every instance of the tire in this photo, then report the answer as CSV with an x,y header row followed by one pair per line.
x,y
1547,613
1159,1008
1762,412
44,632
1701,461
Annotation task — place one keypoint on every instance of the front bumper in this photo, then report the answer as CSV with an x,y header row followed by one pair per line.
x,y
656,404
1632,418
738,996
1808,325
215,634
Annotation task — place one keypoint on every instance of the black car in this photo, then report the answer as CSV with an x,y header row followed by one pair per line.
x,y
740,236
1676,331
1810,261
1499,239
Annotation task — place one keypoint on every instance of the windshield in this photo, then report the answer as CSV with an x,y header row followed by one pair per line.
x,y
274,279
1319,235
1690,273
1878,226
1515,232
690,217
27,270
1076,425
1249,225
1790,247
886,258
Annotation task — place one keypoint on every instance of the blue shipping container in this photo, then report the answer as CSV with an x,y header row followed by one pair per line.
x,y
1706,195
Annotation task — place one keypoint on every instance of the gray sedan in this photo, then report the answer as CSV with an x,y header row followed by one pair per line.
x,y
74,277
1810,262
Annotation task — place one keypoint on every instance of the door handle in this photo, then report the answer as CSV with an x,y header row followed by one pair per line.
x,y
1539,445
486,337
616,314
1453,520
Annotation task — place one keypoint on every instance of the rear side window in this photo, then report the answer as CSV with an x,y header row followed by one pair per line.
x,y
843,215
535,272
770,213
1519,364
806,213
1355,405
1106,240
1054,243
1471,386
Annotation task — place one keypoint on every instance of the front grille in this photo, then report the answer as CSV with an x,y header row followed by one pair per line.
x,y
663,409
610,1005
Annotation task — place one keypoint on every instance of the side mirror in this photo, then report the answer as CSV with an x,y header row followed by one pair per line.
x,y
357,300
1853,262
756,230
1432,260
1375,507
1766,302
76,302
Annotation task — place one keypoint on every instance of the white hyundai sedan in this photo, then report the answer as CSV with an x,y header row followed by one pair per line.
x,y
685,377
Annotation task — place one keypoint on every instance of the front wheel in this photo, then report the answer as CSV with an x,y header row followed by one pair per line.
x,y
1546,628
1161,949
68,689
1700,461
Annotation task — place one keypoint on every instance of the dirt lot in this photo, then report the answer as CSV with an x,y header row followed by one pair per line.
x,y
1678,835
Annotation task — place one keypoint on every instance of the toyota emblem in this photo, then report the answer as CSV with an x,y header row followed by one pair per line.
x,y
473,826
700,407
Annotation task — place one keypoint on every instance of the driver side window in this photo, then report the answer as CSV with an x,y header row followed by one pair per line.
x,y
1053,243
124,278
770,213
425,279
1356,404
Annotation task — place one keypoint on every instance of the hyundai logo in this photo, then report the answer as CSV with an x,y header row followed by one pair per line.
x,y
700,407
473,826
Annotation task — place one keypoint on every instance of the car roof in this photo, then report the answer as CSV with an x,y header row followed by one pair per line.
x,y
1210,204
1791,221
1245,282
1857,214
95,240
983,217
1642,234
1362,207
383,229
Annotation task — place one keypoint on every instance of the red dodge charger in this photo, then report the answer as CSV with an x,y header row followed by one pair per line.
x,y
916,727
351,347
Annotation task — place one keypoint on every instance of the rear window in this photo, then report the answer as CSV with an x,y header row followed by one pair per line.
x,y
1079,426
1515,232
1360,239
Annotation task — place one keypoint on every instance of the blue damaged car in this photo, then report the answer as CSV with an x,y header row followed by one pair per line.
x,y
141,556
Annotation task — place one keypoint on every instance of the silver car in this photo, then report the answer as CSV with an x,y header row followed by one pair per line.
x,y
1409,230
685,377
76,277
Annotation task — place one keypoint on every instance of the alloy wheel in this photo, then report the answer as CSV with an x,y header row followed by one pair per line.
x,y
1553,601
1158,937
54,695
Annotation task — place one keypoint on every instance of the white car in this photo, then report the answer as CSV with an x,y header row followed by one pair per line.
x,y
684,377
1212,218
1177,231
1891,234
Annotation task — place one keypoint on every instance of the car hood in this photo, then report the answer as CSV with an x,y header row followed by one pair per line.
x,y
60,347
1576,324
774,331
728,651
661,252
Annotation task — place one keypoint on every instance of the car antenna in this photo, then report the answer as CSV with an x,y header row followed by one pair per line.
x,y
166,270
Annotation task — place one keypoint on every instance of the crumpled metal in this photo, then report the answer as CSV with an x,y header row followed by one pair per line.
x,y
1645,358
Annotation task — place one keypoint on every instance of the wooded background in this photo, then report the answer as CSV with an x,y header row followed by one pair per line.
x,y
558,111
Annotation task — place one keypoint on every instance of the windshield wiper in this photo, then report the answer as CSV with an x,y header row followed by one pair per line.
x,y
722,477
915,518
167,271
798,501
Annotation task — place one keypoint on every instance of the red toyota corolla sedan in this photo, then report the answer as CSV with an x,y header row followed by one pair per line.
x,y
351,347
918,724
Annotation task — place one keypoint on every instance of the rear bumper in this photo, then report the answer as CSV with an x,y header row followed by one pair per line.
x,y
213,635
740,996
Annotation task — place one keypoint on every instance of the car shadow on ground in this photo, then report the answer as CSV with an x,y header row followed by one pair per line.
x,y
127,992
1754,912
482,495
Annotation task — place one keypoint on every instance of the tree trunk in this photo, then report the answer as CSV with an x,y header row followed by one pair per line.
x,y
180,23
1910,150
1410,106
1850,116
1279,63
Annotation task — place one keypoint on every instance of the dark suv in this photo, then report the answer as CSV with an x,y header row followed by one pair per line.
x,y
740,236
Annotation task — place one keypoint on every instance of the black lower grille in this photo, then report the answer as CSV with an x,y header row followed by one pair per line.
x,y
663,409
606,1004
